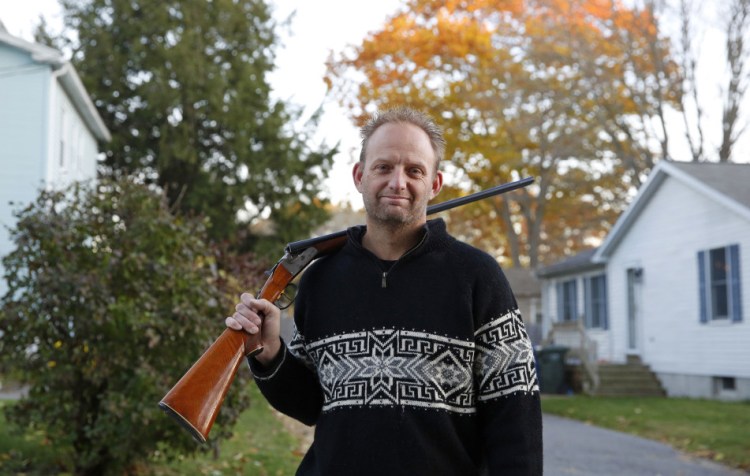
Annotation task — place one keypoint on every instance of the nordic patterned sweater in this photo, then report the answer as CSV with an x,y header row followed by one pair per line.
x,y
418,367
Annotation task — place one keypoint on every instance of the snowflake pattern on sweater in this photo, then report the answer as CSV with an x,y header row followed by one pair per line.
x,y
388,367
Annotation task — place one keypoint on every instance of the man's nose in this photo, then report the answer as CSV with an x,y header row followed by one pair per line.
x,y
398,179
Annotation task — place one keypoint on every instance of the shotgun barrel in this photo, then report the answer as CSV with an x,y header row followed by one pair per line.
x,y
297,246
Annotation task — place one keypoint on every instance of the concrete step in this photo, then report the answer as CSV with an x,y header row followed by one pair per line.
x,y
628,380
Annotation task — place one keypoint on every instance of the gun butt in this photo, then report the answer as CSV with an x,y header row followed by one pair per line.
x,y
195,401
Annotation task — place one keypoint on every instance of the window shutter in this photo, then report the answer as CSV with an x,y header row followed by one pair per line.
x,y
605,310
702,286
735,297
560,299
588,305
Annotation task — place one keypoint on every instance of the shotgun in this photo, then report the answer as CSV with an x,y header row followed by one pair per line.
x,y
196,399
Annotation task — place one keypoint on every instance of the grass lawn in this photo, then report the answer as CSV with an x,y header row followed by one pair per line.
x,y
261,446
16,450
710,429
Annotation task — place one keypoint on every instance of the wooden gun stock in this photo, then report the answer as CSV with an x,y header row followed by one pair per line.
x,y
197,397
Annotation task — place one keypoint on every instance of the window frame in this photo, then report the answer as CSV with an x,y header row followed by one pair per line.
x,y
596,301
567,300
719,284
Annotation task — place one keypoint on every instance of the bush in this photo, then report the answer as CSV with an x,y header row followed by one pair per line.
x,y
110,300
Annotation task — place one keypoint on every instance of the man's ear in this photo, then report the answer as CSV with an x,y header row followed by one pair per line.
x,y
357,172
437,184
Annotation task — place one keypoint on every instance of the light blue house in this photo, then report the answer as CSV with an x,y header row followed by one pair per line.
x,y
49,128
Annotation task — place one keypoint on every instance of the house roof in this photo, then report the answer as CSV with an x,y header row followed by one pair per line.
x,y
68,78
730,179
725,183
581,262
523,282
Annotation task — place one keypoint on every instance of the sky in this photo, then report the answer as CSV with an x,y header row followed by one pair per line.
x,y
320,26
317,27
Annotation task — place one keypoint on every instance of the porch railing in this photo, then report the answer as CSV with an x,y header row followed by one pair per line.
x,y
583,350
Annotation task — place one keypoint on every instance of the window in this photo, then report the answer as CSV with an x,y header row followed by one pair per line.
x,y
717,278
725,386
63,132
567,308
595,298
79,148
728,383
719,284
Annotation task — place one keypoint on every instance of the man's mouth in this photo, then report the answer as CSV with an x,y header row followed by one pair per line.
x,y
395,198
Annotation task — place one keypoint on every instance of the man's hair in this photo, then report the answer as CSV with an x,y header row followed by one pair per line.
x,y
407,115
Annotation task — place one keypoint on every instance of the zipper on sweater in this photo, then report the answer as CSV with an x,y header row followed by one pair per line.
x,y
384,278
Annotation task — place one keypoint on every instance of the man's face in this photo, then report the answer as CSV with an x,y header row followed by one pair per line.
x,y
398,176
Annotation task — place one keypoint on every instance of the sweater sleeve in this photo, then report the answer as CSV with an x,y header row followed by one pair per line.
x,y
290,386
508,398
507,386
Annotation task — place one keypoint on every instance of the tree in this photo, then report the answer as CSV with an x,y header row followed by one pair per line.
x,y
696,98
738,62
106,291
564,91
182,87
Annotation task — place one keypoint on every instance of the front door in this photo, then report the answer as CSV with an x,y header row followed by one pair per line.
x,y
635,280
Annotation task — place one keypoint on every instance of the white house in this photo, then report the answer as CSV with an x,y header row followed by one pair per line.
x,y
49,128
670,285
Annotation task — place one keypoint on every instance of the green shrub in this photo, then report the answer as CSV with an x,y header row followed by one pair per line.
x,y
110,300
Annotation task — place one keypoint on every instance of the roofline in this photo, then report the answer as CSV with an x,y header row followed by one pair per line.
x,y
659,173
38,52
69,80
73,85
711,192
573,270
579,263
628,216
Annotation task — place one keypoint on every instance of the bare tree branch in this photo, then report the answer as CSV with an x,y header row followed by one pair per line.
x,y
689,63
734,93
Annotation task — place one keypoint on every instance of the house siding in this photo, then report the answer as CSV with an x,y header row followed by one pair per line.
x,y
702,386
31,105
77,162
664,241
23,130
601,337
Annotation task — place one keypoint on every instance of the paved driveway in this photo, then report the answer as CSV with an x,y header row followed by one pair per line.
x,y
574,448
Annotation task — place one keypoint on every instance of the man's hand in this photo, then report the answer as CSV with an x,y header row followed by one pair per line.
x,y
252,315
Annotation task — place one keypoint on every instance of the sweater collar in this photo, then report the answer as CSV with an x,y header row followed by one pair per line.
x,y
434,231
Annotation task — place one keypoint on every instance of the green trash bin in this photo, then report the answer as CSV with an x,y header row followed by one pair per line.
x,y
551,368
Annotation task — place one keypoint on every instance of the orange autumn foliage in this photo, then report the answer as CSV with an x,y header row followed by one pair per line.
x,y
564,90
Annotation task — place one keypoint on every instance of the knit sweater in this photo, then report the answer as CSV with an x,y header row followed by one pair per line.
x,y
419,367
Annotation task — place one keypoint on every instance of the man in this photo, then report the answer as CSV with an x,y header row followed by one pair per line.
x,y
410,356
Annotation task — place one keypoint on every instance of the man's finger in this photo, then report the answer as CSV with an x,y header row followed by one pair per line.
x,y
233,324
